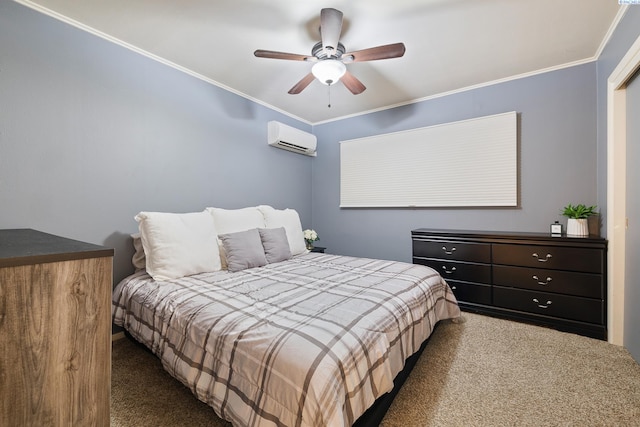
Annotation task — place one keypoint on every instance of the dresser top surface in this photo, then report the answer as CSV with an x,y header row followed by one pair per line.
x,y
26,246
506,235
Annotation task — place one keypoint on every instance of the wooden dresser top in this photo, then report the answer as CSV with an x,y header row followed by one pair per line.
x,y
506,236
26,246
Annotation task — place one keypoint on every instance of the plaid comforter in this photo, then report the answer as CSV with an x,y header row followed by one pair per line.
x,y
312,341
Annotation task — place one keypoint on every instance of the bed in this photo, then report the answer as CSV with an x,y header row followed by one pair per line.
x,y
312,340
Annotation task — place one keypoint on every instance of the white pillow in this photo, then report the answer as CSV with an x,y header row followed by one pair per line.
x,y
290,220
177,245
233,221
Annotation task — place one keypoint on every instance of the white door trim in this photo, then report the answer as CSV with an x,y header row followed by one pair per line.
x,y
616,188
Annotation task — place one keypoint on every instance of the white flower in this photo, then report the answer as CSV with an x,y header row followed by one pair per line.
x,y
310,235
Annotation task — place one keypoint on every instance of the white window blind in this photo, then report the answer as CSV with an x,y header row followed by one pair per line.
x,y
461,164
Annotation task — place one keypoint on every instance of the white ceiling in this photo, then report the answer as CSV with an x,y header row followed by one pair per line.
x,y
451,44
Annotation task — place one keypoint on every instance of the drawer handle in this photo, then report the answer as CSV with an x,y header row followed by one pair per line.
x,y
545,259
546,305
444,267
546,282
449,252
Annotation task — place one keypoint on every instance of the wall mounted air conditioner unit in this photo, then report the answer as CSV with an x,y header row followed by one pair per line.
x,y
288,138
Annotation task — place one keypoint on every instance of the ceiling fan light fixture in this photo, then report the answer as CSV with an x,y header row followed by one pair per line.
x,y
329,71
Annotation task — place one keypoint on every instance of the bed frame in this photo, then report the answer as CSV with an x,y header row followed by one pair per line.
x,y
374,415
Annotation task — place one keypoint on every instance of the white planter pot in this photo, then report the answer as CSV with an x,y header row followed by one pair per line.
x,y
577,227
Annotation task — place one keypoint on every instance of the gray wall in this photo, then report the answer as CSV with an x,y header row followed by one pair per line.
x,y
557,150
92,133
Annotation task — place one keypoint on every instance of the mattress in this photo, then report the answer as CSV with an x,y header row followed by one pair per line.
x,y
311,341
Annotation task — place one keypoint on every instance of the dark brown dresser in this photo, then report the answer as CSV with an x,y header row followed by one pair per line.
x,y
559,282
55,330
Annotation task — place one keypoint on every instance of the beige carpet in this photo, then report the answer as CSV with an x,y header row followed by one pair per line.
x,y
483,372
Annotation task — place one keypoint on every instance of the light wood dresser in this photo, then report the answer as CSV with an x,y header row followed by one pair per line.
x,y
55,330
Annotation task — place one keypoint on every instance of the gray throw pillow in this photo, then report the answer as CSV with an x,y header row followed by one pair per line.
x,y
275,243
243,250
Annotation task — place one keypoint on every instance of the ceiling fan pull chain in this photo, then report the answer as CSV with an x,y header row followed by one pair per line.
x,y
329,89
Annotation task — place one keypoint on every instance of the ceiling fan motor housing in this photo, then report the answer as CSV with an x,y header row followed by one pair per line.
x,y
320,52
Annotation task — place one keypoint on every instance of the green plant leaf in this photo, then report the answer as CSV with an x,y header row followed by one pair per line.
x,y
579,211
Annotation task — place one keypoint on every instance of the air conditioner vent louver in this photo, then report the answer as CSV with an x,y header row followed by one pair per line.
x,y
288,138
293,146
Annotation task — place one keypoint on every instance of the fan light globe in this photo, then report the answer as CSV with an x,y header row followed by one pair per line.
x,y
329,71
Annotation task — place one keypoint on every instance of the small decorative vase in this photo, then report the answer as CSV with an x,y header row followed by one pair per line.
x,y
578,227
309,245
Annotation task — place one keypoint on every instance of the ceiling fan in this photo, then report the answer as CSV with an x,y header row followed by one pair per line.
x,y
330,56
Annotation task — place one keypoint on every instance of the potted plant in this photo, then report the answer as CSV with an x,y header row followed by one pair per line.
x,y
577,224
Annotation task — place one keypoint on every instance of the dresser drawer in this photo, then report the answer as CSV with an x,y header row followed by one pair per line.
x,y
471,292
550,257
563,282
561,306
452,250
452,270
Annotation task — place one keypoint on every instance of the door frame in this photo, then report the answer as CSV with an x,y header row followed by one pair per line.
x,y
616,189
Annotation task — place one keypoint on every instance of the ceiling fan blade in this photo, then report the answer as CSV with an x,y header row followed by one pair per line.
x,y
283,55
352,83
302,84
394,50
330,27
